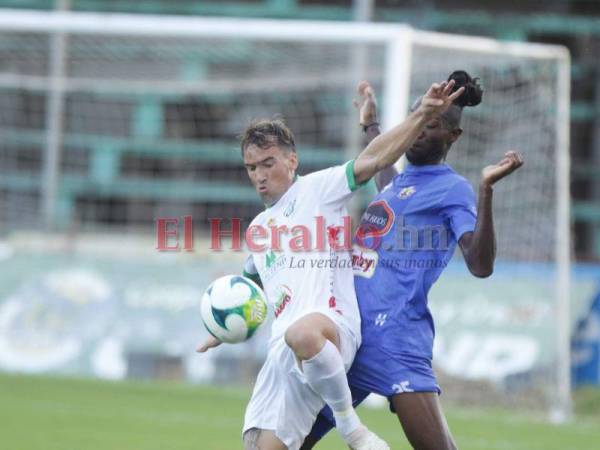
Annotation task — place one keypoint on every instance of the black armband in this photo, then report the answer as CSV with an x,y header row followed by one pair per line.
x,y
365,128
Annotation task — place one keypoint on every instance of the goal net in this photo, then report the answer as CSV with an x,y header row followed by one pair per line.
x,y
108,122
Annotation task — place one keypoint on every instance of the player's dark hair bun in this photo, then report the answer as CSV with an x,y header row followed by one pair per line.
x,y
473,92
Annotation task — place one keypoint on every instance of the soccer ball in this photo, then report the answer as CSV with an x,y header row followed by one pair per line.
x,y
233,307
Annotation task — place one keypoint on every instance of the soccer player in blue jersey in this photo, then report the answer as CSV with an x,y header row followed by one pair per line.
x,y
407,236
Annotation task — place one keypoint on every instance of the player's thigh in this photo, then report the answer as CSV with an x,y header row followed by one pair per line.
x,y
423,420
255,439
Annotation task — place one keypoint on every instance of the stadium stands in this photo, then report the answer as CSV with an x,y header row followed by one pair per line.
x,y
146,141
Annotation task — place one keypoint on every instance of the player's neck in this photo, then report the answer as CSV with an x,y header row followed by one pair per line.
x,y
279,197
434,163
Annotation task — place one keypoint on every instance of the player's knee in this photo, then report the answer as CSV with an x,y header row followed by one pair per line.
x,y
304,341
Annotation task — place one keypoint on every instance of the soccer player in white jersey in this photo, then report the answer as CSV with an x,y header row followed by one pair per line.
x,y
307,277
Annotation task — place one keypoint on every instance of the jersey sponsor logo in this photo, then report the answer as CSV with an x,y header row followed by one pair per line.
x,y
274,262
380,319
406,192
402,387
270,259
376,221
284,298
364,261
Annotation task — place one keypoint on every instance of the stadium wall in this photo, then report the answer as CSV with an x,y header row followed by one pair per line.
x,y
81,310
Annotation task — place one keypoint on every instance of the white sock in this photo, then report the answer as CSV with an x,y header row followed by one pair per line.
x,y
326,375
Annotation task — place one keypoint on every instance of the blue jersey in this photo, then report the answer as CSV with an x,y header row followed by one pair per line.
x,y
406,238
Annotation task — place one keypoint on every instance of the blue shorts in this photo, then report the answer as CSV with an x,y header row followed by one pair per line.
x,y
376,371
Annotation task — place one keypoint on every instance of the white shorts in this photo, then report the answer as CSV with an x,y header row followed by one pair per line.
x,y
282,400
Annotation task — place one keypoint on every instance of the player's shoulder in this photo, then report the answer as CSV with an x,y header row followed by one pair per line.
x,y
458,189
461,183
455,179
314,180
321,174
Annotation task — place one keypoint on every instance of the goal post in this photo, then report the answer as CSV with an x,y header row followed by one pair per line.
x,y
553,68
110,120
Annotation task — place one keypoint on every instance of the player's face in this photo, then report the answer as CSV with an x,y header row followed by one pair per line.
x,y
432,145
271,170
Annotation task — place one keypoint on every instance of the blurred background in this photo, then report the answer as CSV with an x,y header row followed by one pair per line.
x,y
105,128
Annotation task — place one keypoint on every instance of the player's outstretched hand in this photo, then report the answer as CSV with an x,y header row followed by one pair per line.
x,y
438,98
511,162
211,342
367,104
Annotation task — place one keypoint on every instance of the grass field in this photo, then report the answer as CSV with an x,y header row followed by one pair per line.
x,y
72,414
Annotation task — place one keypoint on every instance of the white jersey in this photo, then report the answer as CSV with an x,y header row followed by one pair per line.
x,y
297,278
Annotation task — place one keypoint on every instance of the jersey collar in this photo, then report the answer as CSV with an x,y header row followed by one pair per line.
x,y
284,194
428,169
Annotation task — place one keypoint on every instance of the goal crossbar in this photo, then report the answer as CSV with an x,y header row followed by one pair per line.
x,y
274,30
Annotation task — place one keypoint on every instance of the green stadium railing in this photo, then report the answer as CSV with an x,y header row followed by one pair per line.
x,y
517,23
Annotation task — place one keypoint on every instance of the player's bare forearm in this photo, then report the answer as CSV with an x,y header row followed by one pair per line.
x,y
479,247
385,176
367,107
385,149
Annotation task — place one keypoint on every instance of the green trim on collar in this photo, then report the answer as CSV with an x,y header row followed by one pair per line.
x,y
350,177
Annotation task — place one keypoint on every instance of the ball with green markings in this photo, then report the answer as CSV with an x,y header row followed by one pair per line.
x,y
233,308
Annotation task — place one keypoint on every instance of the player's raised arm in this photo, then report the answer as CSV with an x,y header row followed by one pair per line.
x,y
479,246
388,147
367,107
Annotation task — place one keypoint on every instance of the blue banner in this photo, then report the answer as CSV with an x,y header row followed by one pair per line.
x,y
586,348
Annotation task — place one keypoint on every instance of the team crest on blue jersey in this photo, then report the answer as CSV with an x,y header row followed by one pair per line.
x,y
406,192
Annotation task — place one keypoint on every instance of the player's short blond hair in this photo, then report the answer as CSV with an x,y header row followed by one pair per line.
x,y
265,133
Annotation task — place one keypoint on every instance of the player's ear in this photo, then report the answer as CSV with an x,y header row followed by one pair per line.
x,y
455,134
293,161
